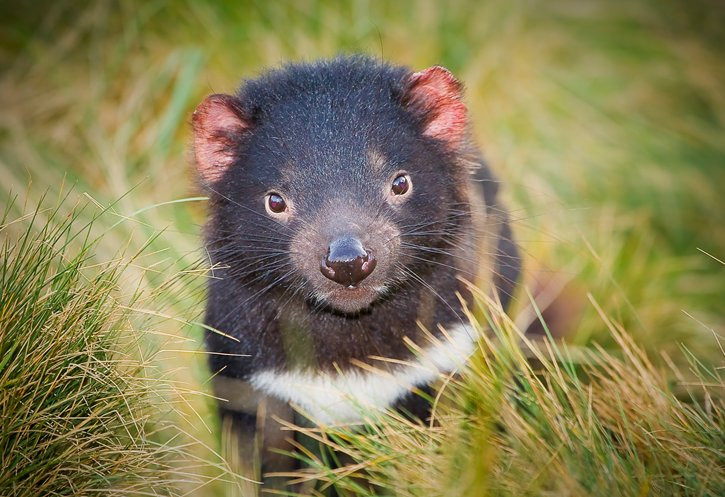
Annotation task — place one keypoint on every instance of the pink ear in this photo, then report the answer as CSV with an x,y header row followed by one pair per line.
x,y
436,94
217,124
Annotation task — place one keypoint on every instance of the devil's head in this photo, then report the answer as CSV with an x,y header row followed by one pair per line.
x,y
337,182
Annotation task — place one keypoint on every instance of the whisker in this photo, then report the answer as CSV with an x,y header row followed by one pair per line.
x,y
420,280
255,212
250,300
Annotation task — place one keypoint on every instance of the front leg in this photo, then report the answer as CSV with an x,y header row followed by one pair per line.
x,y
252,435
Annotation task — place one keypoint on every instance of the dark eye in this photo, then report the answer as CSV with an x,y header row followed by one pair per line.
x,y
401,185
276,204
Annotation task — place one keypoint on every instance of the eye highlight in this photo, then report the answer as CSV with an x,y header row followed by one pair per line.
x,y
275,204
401,185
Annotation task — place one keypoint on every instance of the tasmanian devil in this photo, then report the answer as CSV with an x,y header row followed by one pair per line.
x,y
346,204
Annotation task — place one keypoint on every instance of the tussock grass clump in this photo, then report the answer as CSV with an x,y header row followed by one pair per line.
x,y
537,418
75,404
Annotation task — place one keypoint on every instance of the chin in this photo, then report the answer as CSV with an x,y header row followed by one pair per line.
x,y
350,300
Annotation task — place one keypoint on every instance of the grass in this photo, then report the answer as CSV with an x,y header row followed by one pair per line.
x,y
74,398
535,418
86,407
604,122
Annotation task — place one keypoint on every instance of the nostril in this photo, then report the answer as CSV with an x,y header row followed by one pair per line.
x,y
326,269
364,266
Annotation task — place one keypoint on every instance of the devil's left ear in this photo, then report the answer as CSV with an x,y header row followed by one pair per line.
x,y
218,126
435,94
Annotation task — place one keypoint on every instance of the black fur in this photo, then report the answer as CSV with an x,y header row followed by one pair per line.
x,y
312,128
313,124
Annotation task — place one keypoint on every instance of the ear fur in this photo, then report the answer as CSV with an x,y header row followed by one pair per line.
x,y
218,125
436,94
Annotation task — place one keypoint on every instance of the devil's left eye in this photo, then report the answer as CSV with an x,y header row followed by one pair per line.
x,y
401,184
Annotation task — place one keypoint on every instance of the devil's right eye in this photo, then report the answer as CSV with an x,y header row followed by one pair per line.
x,y
276,204
401,184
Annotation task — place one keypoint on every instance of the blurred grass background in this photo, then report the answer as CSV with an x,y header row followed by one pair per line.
x,y
604,120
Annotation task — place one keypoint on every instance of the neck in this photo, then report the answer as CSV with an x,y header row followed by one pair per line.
x,y
318,338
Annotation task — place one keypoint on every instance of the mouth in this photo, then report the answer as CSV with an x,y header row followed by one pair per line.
x,y
351,299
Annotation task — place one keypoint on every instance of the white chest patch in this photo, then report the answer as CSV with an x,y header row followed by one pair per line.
x,y
344,397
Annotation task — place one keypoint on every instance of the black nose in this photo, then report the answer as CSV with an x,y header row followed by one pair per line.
x,y
347,262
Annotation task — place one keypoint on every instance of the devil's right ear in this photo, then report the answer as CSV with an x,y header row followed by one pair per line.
x,y
218,125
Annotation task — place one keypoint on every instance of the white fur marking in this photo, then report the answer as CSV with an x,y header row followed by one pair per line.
x,y
343,398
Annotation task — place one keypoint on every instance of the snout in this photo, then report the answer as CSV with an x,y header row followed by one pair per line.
x,y
347,262
345,258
